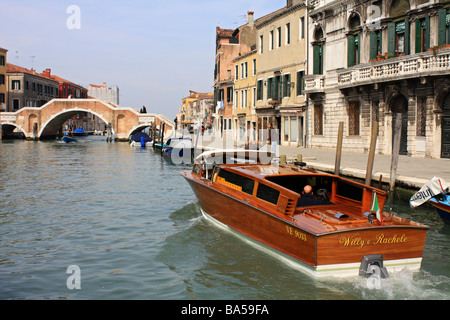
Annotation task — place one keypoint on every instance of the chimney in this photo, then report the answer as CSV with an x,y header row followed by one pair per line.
x,y
47,72
250,18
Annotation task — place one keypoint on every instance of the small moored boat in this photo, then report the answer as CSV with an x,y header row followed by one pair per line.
x,y
435,192
343,232
178,149
68,139
80,132
141,139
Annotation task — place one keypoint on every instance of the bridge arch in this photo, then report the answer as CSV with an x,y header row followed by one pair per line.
x,y
9,127
58,119
50,117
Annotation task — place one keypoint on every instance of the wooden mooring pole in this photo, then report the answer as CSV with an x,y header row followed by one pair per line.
x,y
370,161
337,164
1,132
395,152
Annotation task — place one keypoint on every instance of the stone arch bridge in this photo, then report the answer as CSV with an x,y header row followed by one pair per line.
x,y
46,122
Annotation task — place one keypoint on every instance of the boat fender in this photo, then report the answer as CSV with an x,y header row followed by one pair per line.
x,y
301,164
372,264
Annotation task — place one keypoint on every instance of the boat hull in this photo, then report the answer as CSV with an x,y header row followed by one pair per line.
x,y
442,208
337,254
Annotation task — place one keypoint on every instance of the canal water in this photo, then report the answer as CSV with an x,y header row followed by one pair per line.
x,y
97,220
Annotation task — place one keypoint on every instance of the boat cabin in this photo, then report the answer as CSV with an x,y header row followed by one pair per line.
x,y
279,188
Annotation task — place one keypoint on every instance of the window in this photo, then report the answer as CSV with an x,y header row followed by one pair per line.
x,y
375,44
15,84
2,79
318,119
235,104
398,37
229,94
2,60
269,88
279,37
253,97
302,28
259,90
271,40
288,33
16,104
354,41
422,34
267,193
236,72
237,181
353,118
261,44
318,59
254,67
443,27
2,98
246,69
300,82
286,85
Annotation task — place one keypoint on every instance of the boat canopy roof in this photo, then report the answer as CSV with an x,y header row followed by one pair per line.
x,y
233,156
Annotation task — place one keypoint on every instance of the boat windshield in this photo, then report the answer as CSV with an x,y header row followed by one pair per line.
x,y
233,156
321,187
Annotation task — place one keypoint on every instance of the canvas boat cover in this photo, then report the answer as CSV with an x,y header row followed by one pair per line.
x,y
137,137
431,189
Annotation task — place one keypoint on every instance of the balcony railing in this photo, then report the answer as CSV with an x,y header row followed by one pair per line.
x,y
314,83
403,67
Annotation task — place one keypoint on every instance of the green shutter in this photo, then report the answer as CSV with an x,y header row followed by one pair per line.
x,y
299,83
269,88
288,88
373,45
316,60
391,38
359,48
418,36
407,36
258,90
350,50
442,25
275,88
427,33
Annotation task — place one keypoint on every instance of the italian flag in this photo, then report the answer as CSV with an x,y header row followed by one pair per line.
x,y
376,209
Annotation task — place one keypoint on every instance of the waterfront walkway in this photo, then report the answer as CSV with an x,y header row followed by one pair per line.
x,y
411,172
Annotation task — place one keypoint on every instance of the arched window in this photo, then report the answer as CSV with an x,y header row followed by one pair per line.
x,y
318,50
398,31
354,40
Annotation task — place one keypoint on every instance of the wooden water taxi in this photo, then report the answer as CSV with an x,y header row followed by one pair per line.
x,y
341,235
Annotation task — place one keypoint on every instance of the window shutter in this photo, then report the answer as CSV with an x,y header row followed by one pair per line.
x,y
373,45
442,24
351,50
316,65
358,38
391,38
407,36
427,33
418,36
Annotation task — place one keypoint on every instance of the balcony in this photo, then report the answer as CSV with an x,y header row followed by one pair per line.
x,y
314,83
403,67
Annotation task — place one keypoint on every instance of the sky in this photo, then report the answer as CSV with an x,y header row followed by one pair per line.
x,y
154,51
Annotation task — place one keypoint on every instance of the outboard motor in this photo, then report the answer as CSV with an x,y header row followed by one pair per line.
x,y
372,264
